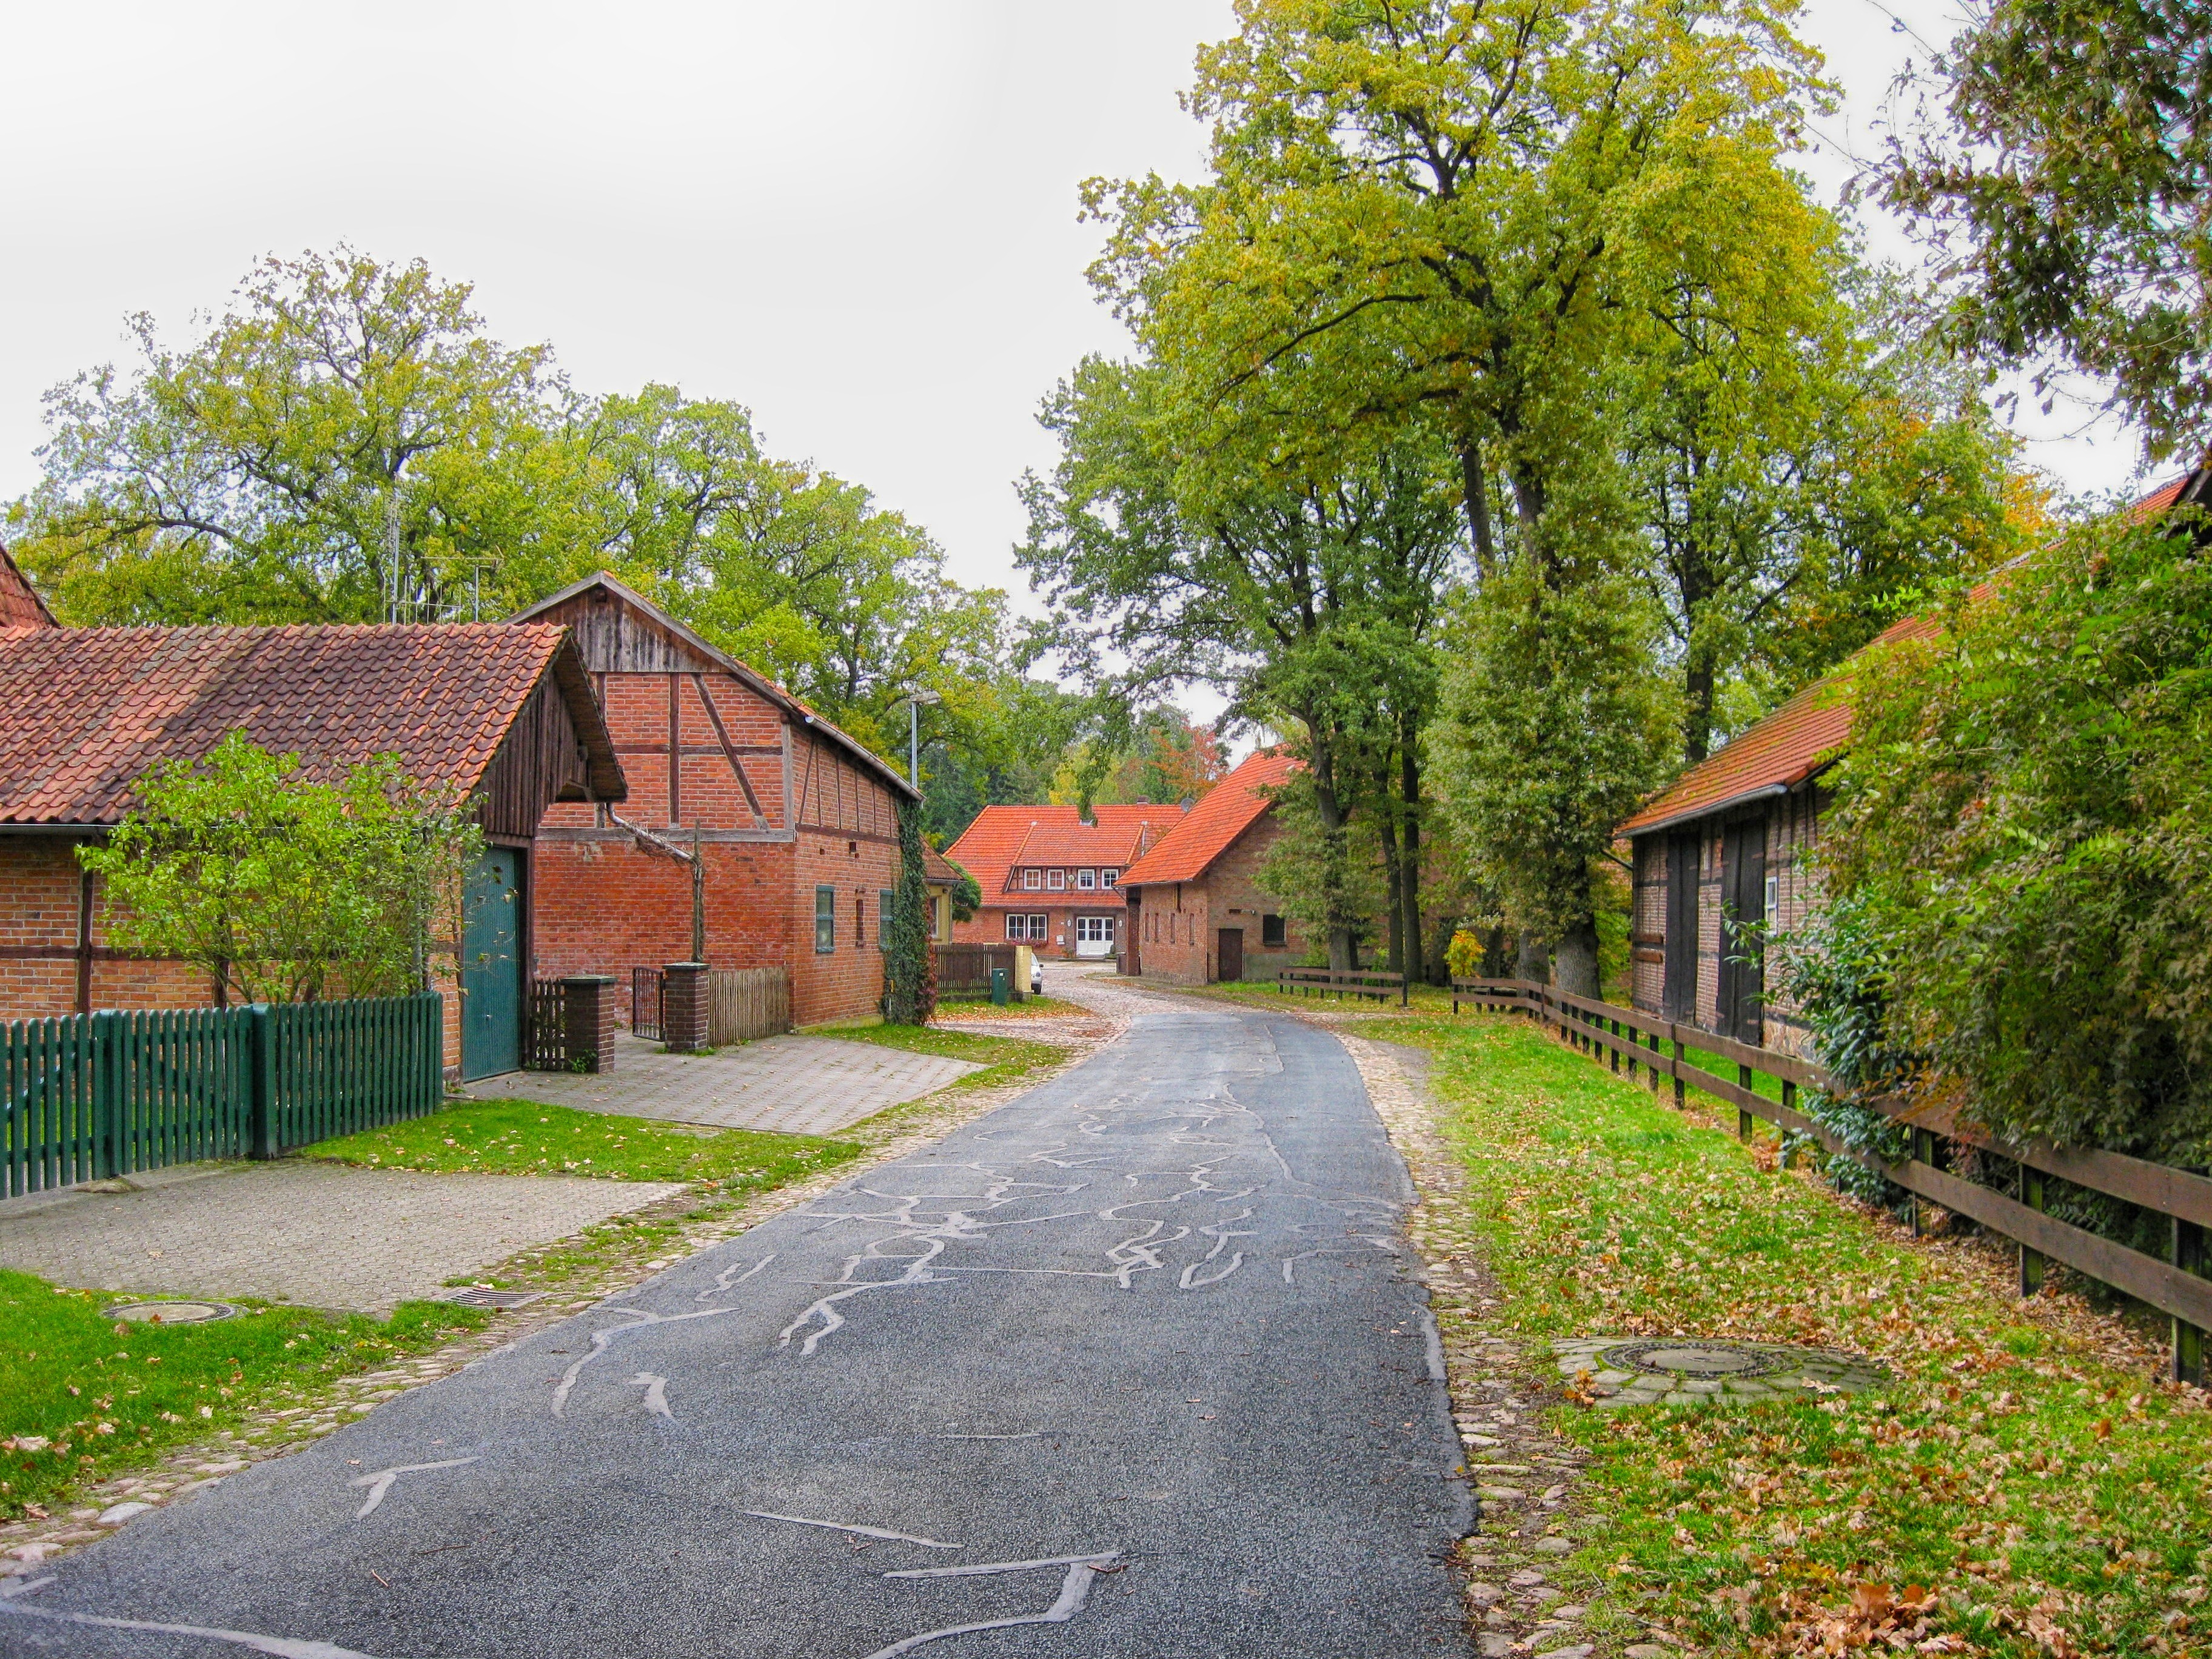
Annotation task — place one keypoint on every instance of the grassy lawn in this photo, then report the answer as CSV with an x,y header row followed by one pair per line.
x,y
1004,1060
83,1398
2050,1499
1031,1006
524,1137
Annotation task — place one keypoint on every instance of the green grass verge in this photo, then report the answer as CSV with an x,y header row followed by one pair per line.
x,y
525,1137
2052,1501
83,1398
1004,1058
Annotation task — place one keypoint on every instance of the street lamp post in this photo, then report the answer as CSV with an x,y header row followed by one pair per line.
x,y
914,702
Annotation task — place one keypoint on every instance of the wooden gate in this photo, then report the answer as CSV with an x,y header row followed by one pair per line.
x,y
745,1003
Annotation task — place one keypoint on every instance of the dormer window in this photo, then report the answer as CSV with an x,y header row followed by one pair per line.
x,y
1056,879
1108,877
1087,880
1031,880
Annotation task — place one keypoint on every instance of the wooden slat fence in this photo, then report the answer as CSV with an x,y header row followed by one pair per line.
x,y
2177,1286
745,1003
964,971
87,1097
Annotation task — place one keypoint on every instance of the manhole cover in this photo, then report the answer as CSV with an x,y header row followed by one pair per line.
x,y
494,1299
1693,1358
1685,1371
169,1313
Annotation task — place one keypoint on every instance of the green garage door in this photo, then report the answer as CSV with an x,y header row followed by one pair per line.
x,y
491,966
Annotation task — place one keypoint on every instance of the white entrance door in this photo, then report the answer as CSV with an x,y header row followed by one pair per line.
x,y
1094,936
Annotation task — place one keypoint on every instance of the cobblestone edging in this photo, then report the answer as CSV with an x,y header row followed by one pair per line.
x,y
277,1432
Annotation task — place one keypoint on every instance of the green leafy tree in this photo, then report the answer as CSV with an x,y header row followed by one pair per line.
x,y
2067,189
1460,219
284,889
344,445
2021,847
1559,721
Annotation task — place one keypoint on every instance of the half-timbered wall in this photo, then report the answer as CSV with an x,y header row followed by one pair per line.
x,y
775,806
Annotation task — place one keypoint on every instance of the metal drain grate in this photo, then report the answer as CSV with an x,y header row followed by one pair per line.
x,y
482,1298
169,1313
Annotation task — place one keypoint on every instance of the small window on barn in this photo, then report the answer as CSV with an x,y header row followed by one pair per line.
x,y
859,921
1031,880
1270,930
1086,880
1108,877
884,899
1056,879
825,920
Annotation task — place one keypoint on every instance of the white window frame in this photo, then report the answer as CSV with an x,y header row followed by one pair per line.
x,y
1056,881
1086,881
1032,880
1039,928
1107,878
1018,927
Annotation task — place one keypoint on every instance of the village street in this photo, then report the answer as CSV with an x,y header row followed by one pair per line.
x,y
1134,1366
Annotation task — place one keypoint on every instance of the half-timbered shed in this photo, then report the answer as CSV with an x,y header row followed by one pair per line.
x,y
505,715
793,822
1725,849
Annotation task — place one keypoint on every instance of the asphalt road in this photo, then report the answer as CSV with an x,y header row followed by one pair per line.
x,y
1133,1367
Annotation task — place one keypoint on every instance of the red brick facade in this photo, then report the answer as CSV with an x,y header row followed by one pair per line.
x,y
1050,878
783,804
1177,927
1196,910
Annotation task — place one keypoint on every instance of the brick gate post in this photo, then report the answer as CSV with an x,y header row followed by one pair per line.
x,y
587,1018
683,1007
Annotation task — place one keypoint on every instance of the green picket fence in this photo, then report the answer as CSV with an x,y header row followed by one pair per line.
x,y
87,1097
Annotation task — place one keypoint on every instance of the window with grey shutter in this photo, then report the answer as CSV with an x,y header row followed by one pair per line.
x,y
884,899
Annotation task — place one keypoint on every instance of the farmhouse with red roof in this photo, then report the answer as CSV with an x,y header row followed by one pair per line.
x,y
506,714
1196,912
1051,879
1723,846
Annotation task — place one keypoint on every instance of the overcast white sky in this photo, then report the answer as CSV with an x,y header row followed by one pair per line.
x,y
857,219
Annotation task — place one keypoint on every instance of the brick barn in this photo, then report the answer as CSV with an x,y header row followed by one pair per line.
x,y
796,824
505,713
1196,912
1724,847
1050,878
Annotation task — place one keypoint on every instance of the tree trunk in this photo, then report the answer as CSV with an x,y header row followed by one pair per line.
x,y
1343,942
1407,896
1395,934
1533,960
1576,960
1478,508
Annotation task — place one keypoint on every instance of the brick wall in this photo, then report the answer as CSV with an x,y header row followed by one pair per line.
x,y
1235,899
601,904
1647,925
1176,939
40,899
988,925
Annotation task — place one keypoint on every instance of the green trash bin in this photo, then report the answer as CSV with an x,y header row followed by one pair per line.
x,y
1001,988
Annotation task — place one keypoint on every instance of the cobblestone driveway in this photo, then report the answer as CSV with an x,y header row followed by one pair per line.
x,y
807,1086
319,1234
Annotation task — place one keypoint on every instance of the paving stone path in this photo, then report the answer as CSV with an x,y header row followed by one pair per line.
x,y
319,1234
794,1085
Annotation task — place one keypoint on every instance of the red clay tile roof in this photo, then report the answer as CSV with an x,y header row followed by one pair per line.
x,y
935,872
1223,813
987,848
1786,748
20,604
89,710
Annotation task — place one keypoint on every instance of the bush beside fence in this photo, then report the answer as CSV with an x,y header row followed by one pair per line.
x,y
89,1097
2175,1287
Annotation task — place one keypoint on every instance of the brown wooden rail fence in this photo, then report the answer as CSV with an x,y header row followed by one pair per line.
x,y
88,1097
1653,1047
